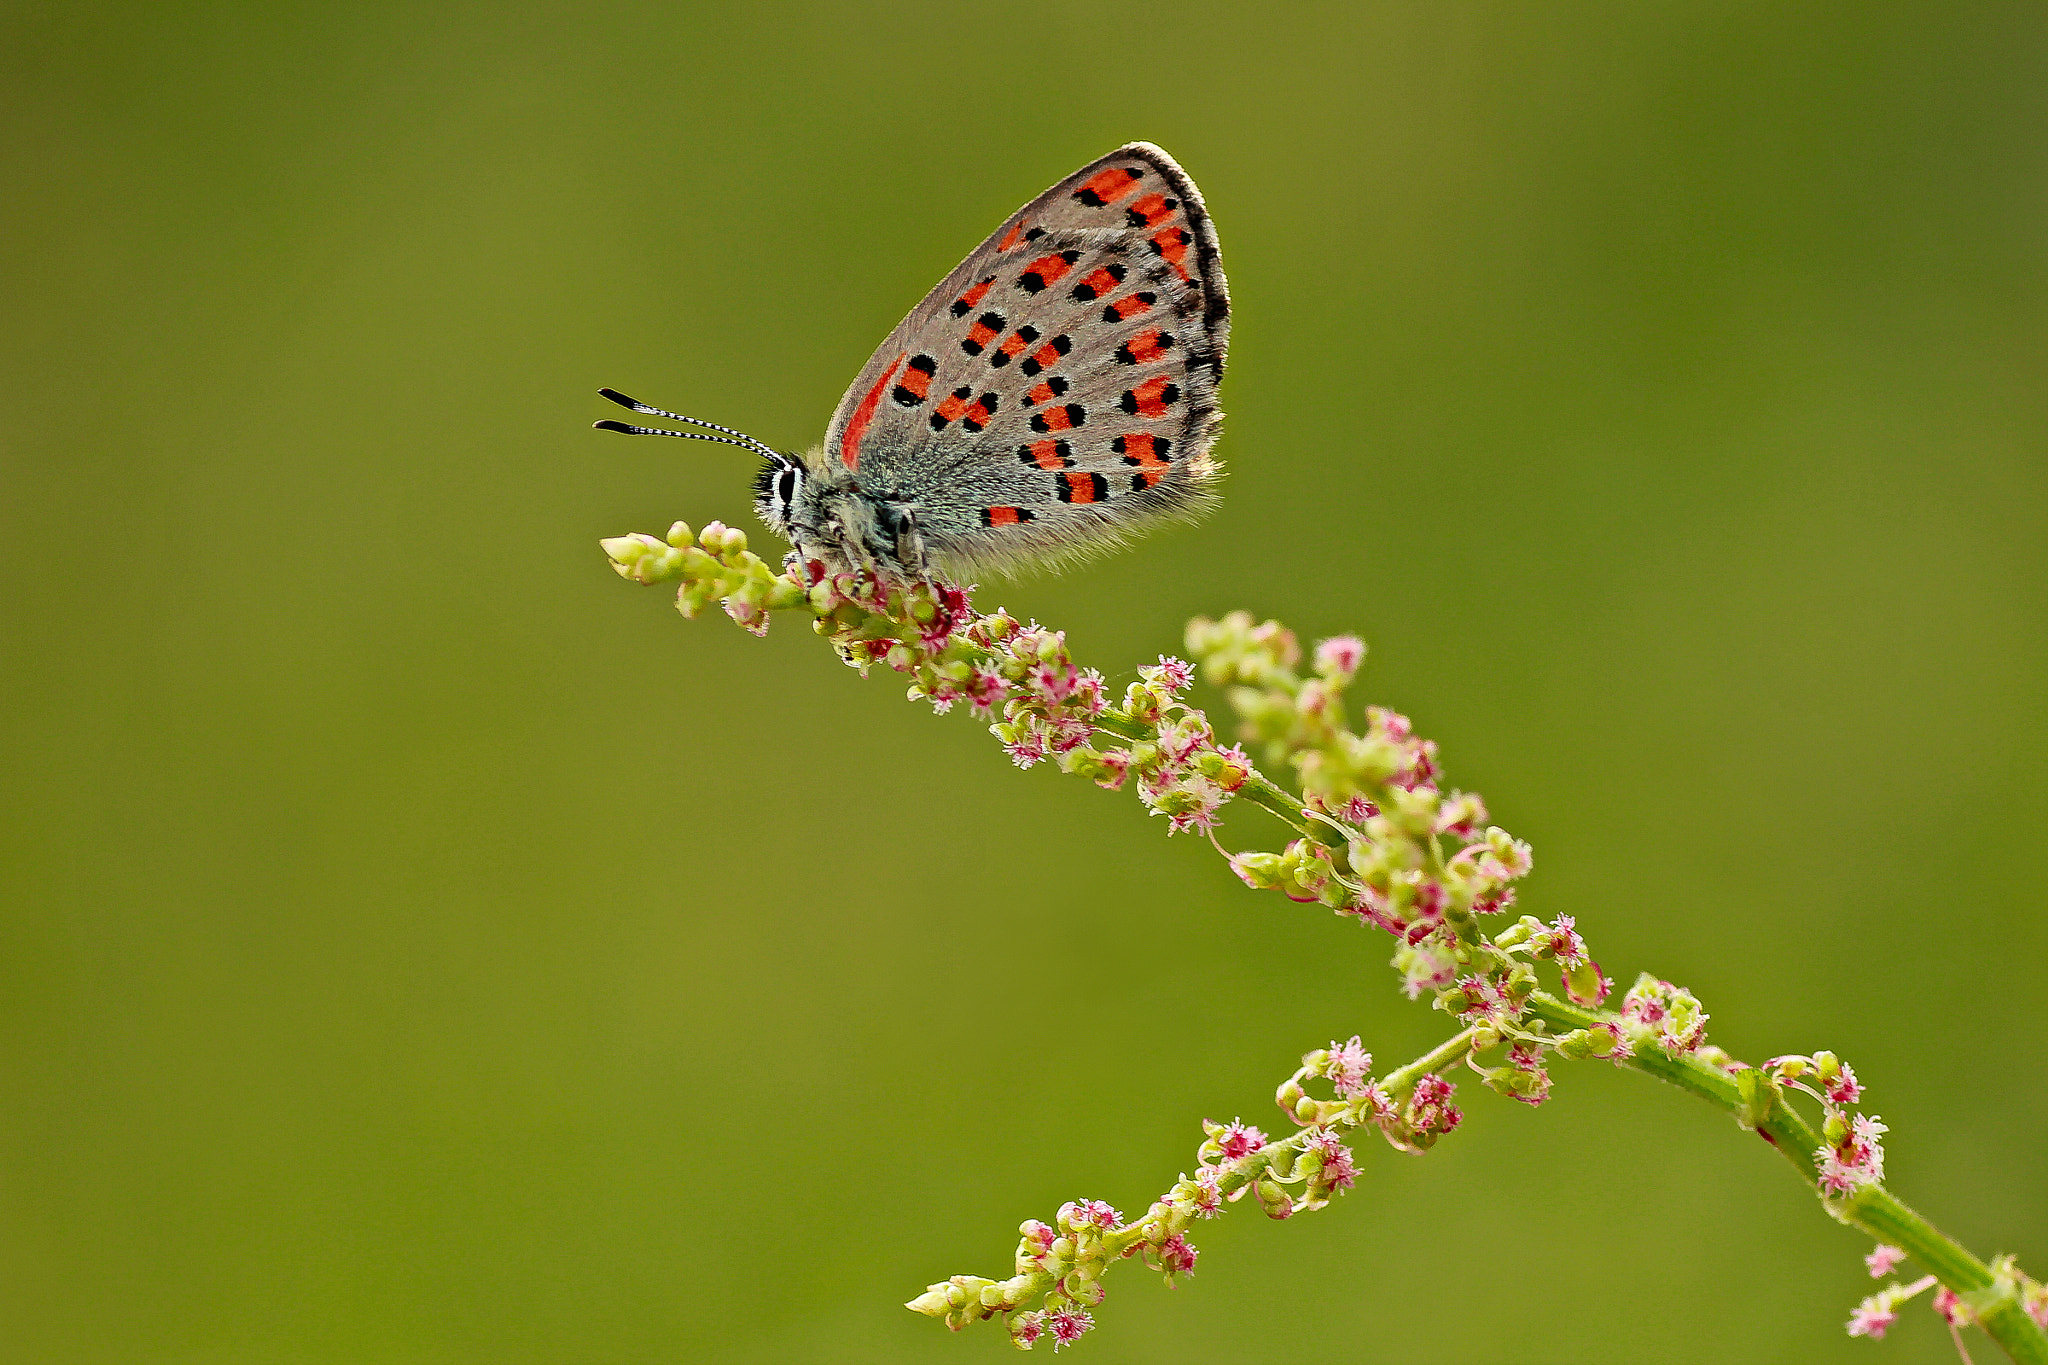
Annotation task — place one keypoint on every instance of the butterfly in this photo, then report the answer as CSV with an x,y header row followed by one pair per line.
x,y
1052,395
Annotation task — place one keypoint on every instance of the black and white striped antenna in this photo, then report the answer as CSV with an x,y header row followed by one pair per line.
x,y
731,437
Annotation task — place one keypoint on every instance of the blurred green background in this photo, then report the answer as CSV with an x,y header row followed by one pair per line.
x,y
421,946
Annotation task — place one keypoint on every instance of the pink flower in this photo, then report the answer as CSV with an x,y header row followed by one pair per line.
x,y
1842,1088
1422,769
1563,941
1027,749
1182,740
1856,1161
1174,675
1176,1256
1068,732
1493,902
1349,1067
1951,1307
1239,1141
1873,1317
1090,1213
1118,761
949,615
1644,1003
1027,1328
1054,682
986,689
1338,1172
1424,967
1461,815
1883,1260
1529,1060
1090,693
1429,1106
1208,1198
1357,811
1374,1104
1341,654
1486,1002
1067,1324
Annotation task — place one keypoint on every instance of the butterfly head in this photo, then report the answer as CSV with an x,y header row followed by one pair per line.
x,y
778,489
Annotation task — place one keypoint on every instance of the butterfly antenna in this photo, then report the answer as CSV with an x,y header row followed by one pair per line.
x,y
745,441
657,431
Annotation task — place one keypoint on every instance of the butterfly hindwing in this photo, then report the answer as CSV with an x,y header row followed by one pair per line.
x,y
1058,388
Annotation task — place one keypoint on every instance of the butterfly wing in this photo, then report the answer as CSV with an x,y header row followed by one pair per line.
x,y
1057,390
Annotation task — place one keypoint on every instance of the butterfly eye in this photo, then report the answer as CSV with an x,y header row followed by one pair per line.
x,y
785,487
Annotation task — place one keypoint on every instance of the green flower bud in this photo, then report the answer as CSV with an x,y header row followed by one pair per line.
x,y
933,1303
1276,1201
1585,984
1518,933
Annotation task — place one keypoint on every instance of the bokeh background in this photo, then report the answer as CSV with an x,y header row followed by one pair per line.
x,y
420,945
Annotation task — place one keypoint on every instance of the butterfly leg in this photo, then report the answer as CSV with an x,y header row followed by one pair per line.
x,y
911,557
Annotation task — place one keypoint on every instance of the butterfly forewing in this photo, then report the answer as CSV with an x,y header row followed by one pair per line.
x,y
1059,386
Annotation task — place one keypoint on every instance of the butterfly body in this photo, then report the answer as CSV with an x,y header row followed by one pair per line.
x,y
1053,394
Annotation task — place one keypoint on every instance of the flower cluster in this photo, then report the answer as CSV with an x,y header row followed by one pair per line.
x,y
1060,1265
1876,1314
715,566
1381,841
1391,848
1019,678
1657,1013
1851,1154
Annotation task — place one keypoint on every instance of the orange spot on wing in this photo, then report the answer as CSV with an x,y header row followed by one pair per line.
x,y
1129,306
1049,269
971,300
1172,244
1059,419
1002,516
981,333
1150,211
1083,487
1013,346
976,417
849,444
1146,347
1098,283
1151,398
1048,454
1141,448
917,381
1108,186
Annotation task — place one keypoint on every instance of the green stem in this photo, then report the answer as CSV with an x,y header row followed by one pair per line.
x,y
1873,1209
1439,1059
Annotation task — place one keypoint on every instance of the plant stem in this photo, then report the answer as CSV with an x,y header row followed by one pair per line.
x,y
1993,1297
